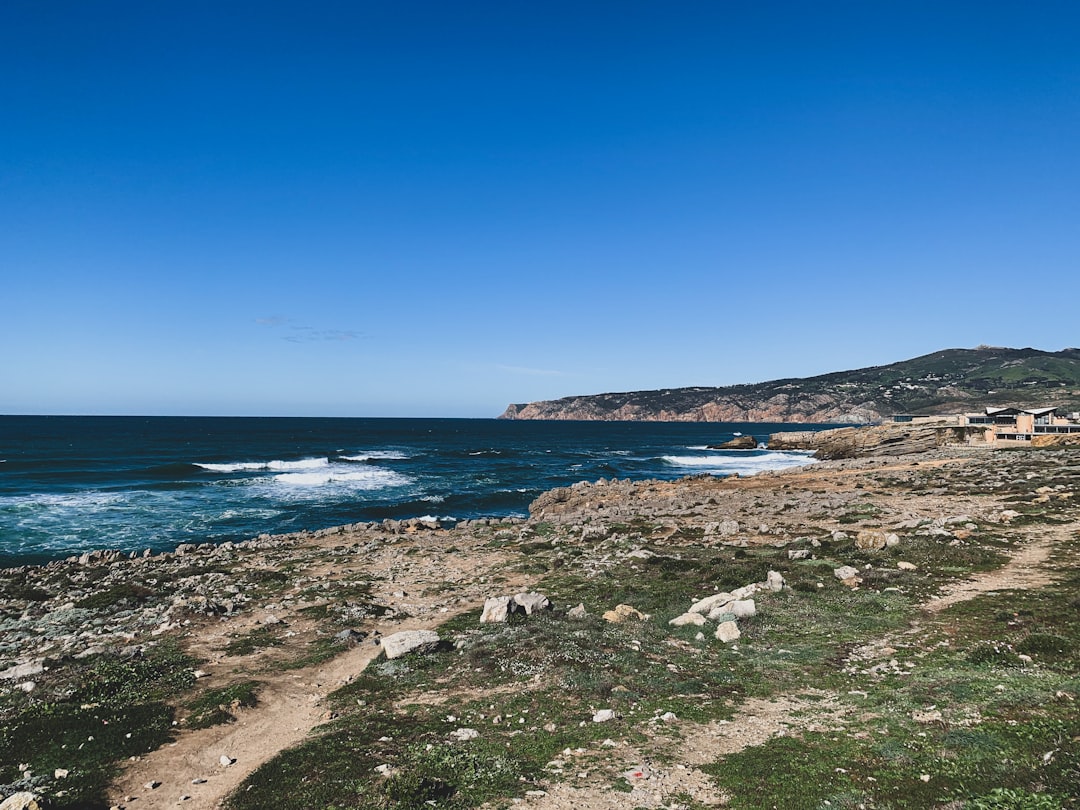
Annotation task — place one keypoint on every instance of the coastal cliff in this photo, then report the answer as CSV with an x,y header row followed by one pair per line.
x,y
948,381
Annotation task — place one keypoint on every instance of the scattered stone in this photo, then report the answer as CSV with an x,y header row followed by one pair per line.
x,y
705,605
532,602
728,632
464,734
906,566
875,540
153,784
496,609
622,613
577,613
226,760
60,773
774,581
407,641
742,608
927,717
688,618
22,670
846,572
603,716
350,637
798,554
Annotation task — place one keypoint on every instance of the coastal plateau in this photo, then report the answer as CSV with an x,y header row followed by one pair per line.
x,y
885,631
949,381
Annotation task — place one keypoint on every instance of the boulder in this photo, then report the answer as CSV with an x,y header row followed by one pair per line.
x,y
530,602
728,632
622,613
738,443
742,608
774,581
496,609
705,605
22,670
407,641
23,800
577,613
688,618
875,540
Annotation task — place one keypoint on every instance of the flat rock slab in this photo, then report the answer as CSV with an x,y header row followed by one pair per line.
x,y
407,641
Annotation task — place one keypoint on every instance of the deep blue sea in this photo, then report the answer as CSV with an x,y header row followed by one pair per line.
x,y
69,484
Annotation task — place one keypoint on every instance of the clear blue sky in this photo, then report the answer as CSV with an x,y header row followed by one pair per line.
x,y
438,208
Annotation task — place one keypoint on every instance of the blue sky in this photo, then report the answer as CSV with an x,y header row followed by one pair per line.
x,y
435,209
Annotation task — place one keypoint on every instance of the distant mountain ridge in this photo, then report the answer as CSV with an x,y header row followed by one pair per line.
x,y
947,381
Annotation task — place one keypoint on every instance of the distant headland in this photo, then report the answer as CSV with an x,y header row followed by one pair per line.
x,y
947,381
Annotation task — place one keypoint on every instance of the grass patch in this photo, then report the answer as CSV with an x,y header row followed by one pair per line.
x,y
216,707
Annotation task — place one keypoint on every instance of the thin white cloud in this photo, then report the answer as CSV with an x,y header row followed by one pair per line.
x,y
300,333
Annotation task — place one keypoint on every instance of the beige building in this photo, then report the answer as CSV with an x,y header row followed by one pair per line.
x,y
1022,425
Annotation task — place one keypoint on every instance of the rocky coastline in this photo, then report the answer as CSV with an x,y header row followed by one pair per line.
x,y
626,645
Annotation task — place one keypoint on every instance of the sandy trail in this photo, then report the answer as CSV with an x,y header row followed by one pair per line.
x,y
290,706
1026,569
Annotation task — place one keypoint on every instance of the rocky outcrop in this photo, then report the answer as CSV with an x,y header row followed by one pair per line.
x,y
738,443
880,440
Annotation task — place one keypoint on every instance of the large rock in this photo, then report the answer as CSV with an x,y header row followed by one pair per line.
x,y
407,641
728,632
846,572
695,619
704,606
738,443
875,540
24,800
498,608
23,671
532,602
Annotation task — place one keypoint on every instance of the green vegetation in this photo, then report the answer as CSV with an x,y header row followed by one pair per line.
x,y
216,707
106,711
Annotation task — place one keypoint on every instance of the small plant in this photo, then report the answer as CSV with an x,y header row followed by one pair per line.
x,y
1009,799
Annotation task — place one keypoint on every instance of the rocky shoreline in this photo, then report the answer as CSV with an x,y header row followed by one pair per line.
x,y
702,572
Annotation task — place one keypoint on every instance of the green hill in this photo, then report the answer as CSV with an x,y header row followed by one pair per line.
x,y
948,381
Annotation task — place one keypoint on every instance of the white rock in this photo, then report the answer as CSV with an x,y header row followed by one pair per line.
x,y
603,716
23,800
531,602
464,734
22,671
746,591
407,641
703,606
728,632
226,760
906,566
496,609
774,581
798,553
846,572
688,618
743,608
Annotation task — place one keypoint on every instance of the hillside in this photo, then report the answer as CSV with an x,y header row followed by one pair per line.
x,y
947,381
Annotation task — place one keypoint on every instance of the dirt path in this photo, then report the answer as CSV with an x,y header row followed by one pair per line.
x,y
1026,569
290,706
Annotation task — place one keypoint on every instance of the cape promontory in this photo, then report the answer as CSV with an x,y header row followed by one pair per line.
x,y
948,381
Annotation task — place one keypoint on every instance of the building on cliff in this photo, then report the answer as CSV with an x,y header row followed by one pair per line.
x,y
1023,424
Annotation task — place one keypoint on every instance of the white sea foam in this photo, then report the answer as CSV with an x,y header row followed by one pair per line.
x,y
371,455
271,466
347,476
741,463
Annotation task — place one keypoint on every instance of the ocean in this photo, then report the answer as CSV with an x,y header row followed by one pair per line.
x,y
71,484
